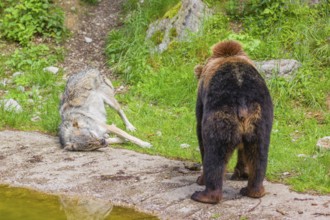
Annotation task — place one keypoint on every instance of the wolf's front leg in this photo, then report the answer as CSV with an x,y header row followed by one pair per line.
x,y
115,140
109,98
128,124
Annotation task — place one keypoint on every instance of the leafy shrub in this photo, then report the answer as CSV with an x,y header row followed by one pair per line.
x,y
33,56
28,18
5,3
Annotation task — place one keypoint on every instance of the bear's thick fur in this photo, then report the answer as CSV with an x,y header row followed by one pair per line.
x,y
234,110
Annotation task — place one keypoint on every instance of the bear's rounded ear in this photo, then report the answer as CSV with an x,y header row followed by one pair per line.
x,y
227,49
198,70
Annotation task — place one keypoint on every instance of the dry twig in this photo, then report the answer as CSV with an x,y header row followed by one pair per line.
x,y
250,210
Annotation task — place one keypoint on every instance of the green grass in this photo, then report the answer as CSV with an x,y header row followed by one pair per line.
x,y
36,101
91,2
162,87
37,91
166,82
173,126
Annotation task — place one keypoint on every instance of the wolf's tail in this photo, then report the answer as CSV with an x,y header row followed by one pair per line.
x,y
227,49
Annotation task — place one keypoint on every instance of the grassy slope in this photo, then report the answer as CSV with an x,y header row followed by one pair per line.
x,y
163,87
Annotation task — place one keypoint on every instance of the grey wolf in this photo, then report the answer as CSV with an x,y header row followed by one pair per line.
x,y
83,114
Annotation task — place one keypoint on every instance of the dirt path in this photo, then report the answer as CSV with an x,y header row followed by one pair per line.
x,y
150,184
89,23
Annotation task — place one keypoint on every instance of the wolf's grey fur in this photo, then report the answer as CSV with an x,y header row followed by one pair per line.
x,y
83,114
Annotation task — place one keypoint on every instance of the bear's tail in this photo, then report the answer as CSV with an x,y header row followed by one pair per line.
x,y
227,49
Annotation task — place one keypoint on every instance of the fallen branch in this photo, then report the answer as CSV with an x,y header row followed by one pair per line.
x,y
255,206
297,199
280,211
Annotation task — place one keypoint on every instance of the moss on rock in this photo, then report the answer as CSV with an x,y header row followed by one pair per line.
x,y
173,11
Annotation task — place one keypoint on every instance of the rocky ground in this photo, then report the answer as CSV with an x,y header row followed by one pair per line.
x,y
147,183
150,184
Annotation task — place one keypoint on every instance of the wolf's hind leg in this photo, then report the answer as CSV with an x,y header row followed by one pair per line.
x,y
122,134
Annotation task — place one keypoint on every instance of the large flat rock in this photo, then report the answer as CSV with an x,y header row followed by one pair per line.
x,y
150,184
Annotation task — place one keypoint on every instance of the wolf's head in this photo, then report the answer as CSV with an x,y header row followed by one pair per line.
x,y
75,138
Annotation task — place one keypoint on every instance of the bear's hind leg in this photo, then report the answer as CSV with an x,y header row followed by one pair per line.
x,y
213,176
241,170
219,139
256,157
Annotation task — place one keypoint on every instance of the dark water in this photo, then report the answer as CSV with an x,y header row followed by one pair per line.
x,y
21,203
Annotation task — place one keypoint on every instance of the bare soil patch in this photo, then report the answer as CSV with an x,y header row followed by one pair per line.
x,y
93,22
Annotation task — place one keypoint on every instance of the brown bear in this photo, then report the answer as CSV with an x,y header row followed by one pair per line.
x,y
234,110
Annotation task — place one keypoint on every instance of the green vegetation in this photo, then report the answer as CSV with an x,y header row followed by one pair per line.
x,y
157,37
24,26
23,20
35,89
91,2
173,11
162,87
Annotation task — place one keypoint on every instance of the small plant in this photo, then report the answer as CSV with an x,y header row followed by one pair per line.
x,y
238,10
5,3
34,56
157,37
92,2
216,216
249,44
29,18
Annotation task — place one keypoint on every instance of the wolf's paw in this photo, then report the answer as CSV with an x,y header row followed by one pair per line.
x,y
130,127
146,145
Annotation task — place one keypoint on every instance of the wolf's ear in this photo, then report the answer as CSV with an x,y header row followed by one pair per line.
x,y
198,70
